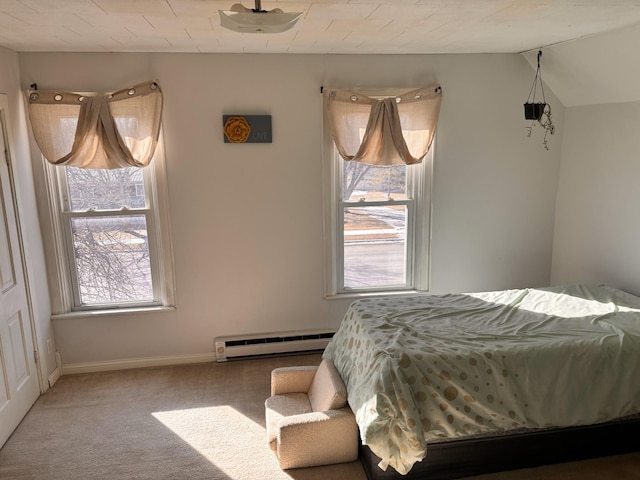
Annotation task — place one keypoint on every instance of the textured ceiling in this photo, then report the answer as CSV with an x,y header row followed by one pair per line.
x,y
327,26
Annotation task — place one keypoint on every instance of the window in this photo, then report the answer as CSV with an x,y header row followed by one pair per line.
x,y
377,188
377,225
111,240
104,205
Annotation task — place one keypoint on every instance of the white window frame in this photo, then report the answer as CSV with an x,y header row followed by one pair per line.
x,y
418,224
65,289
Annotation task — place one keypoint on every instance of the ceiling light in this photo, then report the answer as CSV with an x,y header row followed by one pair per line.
x,y
255,20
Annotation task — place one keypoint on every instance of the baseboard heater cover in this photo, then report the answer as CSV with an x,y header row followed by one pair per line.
x,y
271,343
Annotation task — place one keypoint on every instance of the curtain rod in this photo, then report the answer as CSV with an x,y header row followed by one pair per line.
x,y
438,89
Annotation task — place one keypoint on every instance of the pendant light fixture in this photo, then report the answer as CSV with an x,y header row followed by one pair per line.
x,y
255,20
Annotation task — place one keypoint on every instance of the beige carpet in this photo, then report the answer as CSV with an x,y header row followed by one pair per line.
x,y
189,422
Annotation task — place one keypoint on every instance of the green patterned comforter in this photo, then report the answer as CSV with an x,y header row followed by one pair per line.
x,y
425,367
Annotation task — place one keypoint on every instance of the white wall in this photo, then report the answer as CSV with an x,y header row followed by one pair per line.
x,y
247,219
602,68
597,227
25,196
597,231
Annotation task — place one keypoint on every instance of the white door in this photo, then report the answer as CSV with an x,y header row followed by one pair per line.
x,y
19,386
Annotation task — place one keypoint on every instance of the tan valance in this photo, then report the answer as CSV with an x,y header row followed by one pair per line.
x,y
116,130
383,130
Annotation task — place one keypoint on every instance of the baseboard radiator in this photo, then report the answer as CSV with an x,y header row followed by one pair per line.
x,y
271,343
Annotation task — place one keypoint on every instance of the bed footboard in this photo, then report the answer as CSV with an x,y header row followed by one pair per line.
x,y
475,456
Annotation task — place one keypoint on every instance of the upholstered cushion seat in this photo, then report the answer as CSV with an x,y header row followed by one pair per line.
x,y
308,420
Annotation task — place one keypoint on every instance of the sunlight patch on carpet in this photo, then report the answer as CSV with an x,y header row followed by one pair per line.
x,y
228,439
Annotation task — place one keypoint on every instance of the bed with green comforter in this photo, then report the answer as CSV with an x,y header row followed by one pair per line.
x,y
424,367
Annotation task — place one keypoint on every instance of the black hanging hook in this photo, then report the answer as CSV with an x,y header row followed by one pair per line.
x,y
34,86
537,80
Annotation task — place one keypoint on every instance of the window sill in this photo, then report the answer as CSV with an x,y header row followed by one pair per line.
x,y
387,293
111,312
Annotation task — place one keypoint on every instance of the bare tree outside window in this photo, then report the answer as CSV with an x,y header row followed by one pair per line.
x,y
372,182
109,235
105,189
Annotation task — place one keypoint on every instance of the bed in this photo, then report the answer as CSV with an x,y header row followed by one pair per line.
x,y
460,384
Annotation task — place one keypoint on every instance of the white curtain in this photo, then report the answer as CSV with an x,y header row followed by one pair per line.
x,y
390,130
116,130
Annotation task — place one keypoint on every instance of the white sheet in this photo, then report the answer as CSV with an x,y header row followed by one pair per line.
x,y
425,367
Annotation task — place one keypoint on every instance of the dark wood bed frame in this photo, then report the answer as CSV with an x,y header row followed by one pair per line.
x,y
462,457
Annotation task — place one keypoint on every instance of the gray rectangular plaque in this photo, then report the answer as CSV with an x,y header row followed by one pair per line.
x,y
247,128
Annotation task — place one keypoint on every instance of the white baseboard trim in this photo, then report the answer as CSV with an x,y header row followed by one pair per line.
x,y
90,367
54,377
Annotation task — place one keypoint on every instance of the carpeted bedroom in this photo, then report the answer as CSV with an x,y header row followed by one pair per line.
x,y
201,421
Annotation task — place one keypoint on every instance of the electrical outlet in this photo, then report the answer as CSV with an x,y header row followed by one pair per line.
x,y
49,346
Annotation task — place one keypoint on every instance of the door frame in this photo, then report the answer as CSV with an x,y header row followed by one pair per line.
x,y
5,130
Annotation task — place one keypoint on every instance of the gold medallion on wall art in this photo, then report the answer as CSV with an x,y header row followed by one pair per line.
x,y
237,129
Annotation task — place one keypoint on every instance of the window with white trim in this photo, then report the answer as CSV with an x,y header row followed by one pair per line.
x,y
377,184
377,225
110,245
107,238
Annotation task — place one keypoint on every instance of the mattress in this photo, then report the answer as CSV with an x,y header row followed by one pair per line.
x,y
423,368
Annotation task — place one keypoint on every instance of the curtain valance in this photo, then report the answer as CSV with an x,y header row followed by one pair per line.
x,y
115,130
389,130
